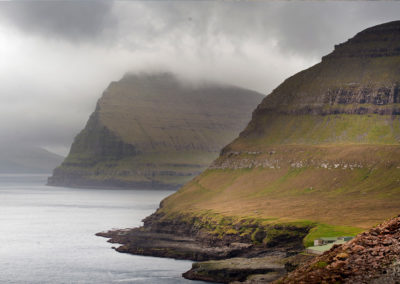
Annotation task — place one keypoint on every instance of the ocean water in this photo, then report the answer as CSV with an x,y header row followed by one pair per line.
x,y
47,234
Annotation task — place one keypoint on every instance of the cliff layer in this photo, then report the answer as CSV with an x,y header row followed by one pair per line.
x,y
155,131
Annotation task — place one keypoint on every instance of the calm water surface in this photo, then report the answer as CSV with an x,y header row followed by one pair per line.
x,y
47,234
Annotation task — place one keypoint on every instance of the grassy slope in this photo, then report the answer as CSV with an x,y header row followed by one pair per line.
x,y
341,201
321,129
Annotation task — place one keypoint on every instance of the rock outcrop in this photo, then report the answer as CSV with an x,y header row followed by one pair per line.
x,y
154,131
203,238
371,257
236,269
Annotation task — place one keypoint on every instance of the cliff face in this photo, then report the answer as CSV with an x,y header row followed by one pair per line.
x,y
323,146
154,131
352,96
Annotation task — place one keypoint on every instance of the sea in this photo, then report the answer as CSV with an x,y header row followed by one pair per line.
x,y
47,234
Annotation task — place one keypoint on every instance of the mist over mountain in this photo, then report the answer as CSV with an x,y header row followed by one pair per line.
x,y
66,52
155,130
27,159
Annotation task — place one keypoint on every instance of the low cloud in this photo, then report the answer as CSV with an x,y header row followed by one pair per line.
x,y
70,20
58,56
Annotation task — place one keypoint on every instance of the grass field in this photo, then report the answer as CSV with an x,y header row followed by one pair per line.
x,y
337,201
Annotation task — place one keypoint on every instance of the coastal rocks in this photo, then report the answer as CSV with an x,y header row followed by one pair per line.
x,y
255,270
235,269
260,278
202,238
372,257
138,242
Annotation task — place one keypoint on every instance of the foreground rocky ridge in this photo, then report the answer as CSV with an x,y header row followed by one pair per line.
x,y
207,237
237,269
237,248
154,131
371,257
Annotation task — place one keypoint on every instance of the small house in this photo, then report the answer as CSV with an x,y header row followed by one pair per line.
x,y
323,244
346,239
318,242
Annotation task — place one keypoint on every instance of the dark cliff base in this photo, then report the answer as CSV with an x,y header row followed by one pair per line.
x,y
195,238
236,269
111,183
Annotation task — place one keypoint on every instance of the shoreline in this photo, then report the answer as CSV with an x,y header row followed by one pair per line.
x,y
136,187
220,258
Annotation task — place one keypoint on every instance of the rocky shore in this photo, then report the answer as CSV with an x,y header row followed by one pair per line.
x,y
232,249
371,257
237,269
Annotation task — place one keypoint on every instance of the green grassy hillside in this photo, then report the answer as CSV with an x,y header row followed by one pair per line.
x,y
323,148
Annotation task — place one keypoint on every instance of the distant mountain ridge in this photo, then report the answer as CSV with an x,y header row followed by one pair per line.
x,y
27,159
155,131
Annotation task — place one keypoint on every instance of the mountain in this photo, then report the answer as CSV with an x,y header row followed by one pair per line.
x,y
323,146
319,158
155,131
27,159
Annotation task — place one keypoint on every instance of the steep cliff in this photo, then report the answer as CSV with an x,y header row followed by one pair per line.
x,y
155,131
323,147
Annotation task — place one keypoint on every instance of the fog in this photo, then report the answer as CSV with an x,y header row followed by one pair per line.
x,y
57,57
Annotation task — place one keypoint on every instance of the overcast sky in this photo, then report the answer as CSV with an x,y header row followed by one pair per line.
x,y
56,58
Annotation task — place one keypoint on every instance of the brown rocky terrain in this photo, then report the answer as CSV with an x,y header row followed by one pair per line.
x,y
371,257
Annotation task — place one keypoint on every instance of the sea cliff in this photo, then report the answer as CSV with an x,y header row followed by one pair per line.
x,y
154,131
